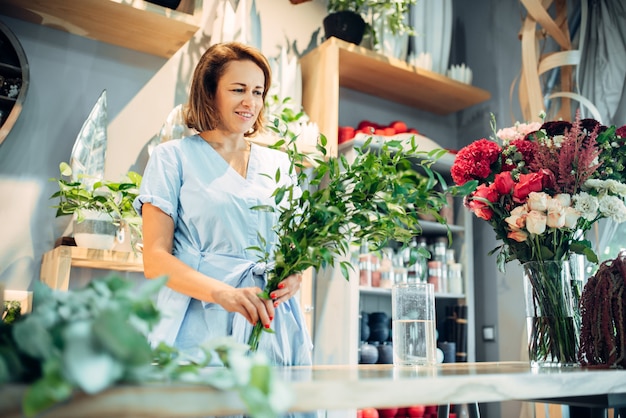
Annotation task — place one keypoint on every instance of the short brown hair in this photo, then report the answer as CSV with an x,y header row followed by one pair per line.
x,y
200,113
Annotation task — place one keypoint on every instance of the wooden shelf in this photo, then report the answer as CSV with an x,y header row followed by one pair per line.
x,y
57,263
337,63
381,291
134,24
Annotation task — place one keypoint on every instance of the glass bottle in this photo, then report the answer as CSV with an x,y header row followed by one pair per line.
x,y
422,261
365,266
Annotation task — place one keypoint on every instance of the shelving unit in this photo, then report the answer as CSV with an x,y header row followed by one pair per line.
x,y
57,263
337,63
133,24
326,69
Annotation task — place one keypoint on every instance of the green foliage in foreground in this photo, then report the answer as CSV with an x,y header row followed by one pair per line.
x,y
92,338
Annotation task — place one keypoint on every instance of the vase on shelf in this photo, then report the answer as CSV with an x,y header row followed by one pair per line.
x,y
550,316
95,231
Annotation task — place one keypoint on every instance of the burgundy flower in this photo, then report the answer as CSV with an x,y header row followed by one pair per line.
x,y
621,132
556,127
474,161
591,125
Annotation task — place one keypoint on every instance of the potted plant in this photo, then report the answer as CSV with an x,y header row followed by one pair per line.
x,y
100,207
339,21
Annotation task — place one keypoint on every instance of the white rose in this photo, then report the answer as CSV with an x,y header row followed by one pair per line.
x,y
571,217
519,210
564,198
556,217
538,201
536,222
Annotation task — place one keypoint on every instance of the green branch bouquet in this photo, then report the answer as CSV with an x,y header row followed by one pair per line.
x,y
375,198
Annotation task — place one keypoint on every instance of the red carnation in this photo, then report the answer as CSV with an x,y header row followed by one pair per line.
x,y
621,132
474,161
526,148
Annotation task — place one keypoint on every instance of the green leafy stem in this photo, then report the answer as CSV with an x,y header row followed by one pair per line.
x,y
375,198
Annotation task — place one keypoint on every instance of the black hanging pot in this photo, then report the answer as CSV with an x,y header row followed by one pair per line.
x,y
346,25
170,4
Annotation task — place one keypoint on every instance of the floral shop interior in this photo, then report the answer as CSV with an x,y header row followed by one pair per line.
x,y
508,116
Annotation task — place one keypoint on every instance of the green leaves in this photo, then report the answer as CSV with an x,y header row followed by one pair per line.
x,y
91,338
114,198
376,197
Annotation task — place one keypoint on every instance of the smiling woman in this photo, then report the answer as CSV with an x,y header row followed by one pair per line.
x,y
196,201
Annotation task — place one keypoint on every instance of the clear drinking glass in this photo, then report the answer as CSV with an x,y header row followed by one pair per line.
x,y
413,315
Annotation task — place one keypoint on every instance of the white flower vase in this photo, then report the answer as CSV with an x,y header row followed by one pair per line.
x,y
96,231
396,46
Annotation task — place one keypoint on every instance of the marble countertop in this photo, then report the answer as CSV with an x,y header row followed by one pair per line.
x,y
348,387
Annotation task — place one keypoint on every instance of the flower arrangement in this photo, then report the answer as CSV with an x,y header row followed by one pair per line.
x,y
542,186
375,198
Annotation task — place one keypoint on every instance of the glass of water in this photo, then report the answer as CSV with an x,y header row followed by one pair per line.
x,y
413,315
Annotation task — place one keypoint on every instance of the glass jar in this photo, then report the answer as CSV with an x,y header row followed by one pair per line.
x,y
455,278
435,275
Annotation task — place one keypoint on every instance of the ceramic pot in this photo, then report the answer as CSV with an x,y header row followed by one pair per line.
x,y
346,25
170,4
368,354
385,354
96,231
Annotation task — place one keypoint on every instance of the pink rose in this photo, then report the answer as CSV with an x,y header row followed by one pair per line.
x,y
519,236
504,182
531,182
481,199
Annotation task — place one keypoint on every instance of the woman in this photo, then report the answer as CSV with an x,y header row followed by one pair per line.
x,y
195,201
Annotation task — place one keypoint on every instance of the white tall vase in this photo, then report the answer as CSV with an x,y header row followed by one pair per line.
x,y
432,21
96,231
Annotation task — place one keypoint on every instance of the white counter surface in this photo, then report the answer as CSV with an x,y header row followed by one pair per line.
x,y
345,387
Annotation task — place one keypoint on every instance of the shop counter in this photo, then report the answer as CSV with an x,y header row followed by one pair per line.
x,y
351,387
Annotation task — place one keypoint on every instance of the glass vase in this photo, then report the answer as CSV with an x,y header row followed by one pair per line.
x,y
550,316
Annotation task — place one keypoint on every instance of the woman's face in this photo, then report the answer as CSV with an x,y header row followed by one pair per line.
x,y
239,96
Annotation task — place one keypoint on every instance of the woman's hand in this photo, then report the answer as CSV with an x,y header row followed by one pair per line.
x,y
247,302
286,289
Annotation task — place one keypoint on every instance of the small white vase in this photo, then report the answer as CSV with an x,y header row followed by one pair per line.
x,y
96,231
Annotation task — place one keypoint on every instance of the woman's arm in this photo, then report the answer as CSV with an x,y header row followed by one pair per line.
x,y
158,236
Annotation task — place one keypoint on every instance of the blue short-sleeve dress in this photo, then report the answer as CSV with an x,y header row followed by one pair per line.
x,y
210,204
